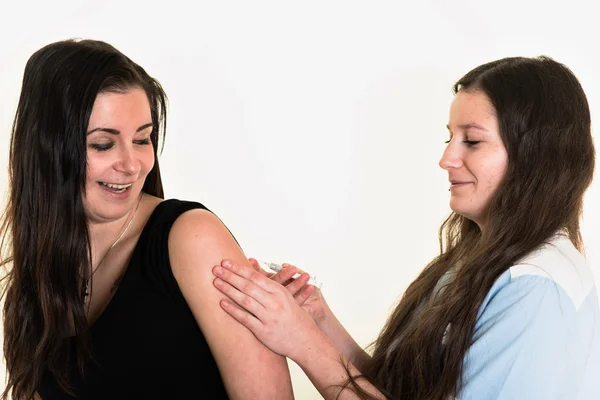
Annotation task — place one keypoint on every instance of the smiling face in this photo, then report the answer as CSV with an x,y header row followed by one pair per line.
x,y
119,154
475,157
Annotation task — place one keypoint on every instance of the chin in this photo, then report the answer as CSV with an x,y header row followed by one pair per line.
x,y
463,211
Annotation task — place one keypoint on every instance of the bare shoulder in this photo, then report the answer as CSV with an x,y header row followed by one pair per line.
x,y
200,233
197,221
198,241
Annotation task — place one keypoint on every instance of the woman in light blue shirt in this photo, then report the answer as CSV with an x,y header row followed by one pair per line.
x,y
509,309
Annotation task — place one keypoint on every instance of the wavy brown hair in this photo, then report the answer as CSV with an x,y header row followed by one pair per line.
x,y
544,122
45,234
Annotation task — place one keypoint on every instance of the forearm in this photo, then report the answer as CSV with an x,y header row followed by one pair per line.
x,y
264,380
326,367
339,336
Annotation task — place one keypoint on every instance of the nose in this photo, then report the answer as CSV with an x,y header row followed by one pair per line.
x,y
452,157
127,162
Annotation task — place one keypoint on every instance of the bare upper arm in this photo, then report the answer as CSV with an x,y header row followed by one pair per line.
x,y
197,242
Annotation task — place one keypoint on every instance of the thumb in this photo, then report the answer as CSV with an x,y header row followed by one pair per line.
x,y
257,267
255,264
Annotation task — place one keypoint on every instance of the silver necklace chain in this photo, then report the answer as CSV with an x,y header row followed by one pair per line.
x,y
86,291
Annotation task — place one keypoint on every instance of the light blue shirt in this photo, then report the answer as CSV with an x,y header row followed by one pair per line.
x,y
538,331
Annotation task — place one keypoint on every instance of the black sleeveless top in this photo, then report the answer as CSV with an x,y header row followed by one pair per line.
x,y
147,343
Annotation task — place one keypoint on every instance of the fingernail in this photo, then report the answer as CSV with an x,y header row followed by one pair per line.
x,y
218,271
226,263
218,282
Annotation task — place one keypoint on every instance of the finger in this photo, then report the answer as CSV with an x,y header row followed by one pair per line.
x,y
242,284
287,265
298,283
244,301
284,275
287,282
256,265
241,316
304,294
298,271
239,276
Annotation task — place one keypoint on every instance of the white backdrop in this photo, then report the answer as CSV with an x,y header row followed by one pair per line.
x,y
314,128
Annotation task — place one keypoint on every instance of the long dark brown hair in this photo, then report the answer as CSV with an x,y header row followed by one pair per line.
x,y
45,234
544,123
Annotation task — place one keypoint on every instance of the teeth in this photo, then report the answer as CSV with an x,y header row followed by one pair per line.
x,y
114,186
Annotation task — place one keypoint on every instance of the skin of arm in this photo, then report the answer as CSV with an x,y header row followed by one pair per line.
x,y
343,341
322,362
198,241
270,311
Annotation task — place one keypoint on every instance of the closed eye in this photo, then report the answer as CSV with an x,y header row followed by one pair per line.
x,y
471,143
101,146
142,141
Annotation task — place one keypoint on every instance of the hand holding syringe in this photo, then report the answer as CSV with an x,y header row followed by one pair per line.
x,y
277,267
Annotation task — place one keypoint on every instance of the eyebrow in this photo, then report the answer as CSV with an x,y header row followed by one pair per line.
x,y
466,127
117,132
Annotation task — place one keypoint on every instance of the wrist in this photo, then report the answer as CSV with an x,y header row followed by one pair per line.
x,y
315,345
331,326
325,319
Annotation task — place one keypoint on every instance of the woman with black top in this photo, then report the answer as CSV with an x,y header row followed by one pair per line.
x,y
109,293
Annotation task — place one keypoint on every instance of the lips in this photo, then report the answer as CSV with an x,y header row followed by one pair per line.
x,y
116,187
457,182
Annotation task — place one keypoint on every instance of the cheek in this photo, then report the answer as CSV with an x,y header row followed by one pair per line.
x,y
147,159
95,166
496,168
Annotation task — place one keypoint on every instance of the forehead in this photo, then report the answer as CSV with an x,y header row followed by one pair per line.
x,y
120,108
472,107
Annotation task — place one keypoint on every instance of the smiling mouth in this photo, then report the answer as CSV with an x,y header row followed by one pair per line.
x,y
113,187
459,184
